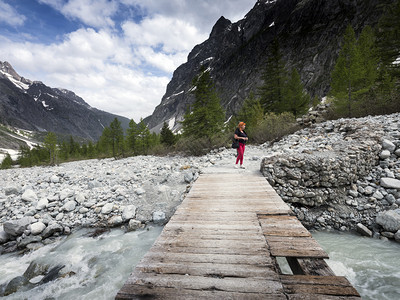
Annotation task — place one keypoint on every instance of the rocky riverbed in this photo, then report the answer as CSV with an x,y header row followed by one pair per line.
x,y
342,174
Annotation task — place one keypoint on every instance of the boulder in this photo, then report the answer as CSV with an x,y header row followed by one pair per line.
x,y
390,183
397,236
140,191
42,204
384,154
28,240
37,228
388,145
29,196
107,209
389,220
12,190
69,206
363,230
52,229
129,212
3,237
158,217
16,228
115,221
134,224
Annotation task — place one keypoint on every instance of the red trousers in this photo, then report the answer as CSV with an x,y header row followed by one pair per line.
x,y
240,152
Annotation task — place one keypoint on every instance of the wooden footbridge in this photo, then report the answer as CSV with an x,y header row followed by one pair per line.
x,y
223,243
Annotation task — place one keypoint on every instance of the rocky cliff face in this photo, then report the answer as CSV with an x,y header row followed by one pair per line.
x,y
309,34
34,106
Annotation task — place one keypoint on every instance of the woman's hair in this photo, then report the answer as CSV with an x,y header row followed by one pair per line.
x,y
241,124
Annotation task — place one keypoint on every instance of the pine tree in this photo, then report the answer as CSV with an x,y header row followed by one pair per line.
x,y
388,39
116,137
296,100
143,140
347,74
368,58
167,137
131,135
50,143
205,118
251,113
274,77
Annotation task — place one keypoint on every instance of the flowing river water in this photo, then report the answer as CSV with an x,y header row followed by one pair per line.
x,y
98,267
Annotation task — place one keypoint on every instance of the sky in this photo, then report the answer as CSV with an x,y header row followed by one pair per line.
x,y
118,55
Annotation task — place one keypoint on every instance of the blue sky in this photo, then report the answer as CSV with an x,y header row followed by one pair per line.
x,y
118,55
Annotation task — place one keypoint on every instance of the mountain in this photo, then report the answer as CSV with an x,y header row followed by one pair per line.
x,y
32,105
309,33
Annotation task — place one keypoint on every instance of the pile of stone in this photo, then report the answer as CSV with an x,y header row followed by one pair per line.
x,y
39,204
315,115
342,174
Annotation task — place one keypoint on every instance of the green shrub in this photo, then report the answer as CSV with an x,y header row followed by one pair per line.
x,y
273,127
7,162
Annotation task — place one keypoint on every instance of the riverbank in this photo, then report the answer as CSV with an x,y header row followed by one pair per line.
x,y
338,174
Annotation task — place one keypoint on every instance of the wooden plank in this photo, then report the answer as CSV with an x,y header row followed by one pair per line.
x,y
261,260
209,269
228,284
162,293
283,226
295,247
324,285
320,297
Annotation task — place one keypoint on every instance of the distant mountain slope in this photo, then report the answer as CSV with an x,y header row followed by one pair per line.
x,y
309,33
32,105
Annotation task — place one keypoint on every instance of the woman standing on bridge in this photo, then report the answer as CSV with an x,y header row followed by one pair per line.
x,y
241,135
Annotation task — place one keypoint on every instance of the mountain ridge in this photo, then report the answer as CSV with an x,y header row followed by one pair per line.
x,y
32,105
309,33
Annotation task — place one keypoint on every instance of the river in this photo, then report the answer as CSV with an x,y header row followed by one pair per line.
x,y
101,265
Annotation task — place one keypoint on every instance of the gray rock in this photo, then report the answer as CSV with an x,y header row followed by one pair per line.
x,y
389,220
397,236
107,209
363,230
388,145
29,196
158,217
12,190
353,193
37,228
115,221
369,190
28,240
384,154
378,195
42,204
140,191
397,152
51,230
4,238
54,179
16,228
390,183
188,177
134,224
129,212
69,206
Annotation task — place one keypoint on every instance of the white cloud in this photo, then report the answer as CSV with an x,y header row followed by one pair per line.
x,y
10,16
96,13
124,71
171,34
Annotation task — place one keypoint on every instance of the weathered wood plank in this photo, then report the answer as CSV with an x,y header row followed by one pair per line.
x,y
228,284
324,285
295,247
161,293
309,266
282,226
209,269
169,256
